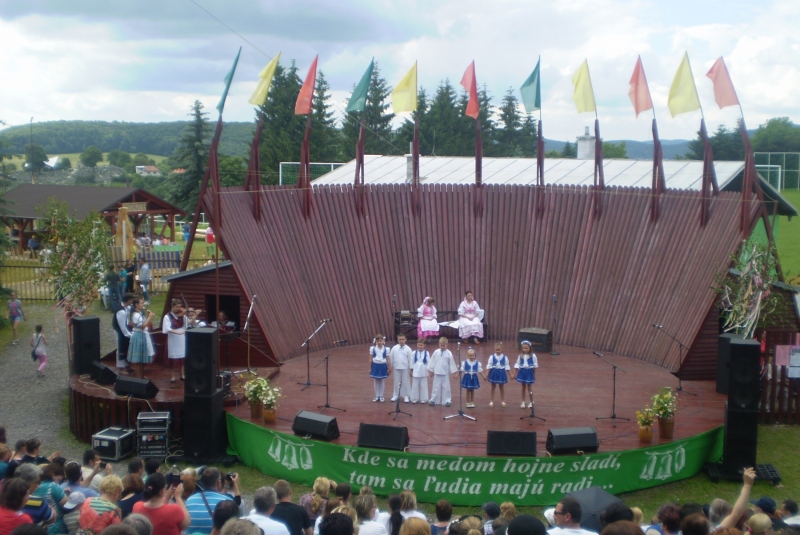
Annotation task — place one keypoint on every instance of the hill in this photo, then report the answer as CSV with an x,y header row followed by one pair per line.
x,y
637,150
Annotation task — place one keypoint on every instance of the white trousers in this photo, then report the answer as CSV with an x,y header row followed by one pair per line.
x,y
379,384
403,389
441,390
419,389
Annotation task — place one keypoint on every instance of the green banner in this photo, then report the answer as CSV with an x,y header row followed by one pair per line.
x,y
470,480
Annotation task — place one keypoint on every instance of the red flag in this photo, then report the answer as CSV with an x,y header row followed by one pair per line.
x,y
303,104
469,83
639,93
724,93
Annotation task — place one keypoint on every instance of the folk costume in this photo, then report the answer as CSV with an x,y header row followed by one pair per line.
x,y
442,365
427,326
419,379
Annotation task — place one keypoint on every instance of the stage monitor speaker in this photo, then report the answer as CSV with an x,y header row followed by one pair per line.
x,y
315,425
744,381
202,356
741,438
540,339
386,437
517,443
724,360
85,343
135,387
572,440
102,374
204,433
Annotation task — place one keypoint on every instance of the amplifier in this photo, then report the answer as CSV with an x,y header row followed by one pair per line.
x,y
540,339
153,421
114,443
152,443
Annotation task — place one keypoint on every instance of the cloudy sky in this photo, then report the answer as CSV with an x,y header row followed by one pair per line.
x,y
149,60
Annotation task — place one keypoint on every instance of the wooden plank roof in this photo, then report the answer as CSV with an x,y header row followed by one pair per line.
x,y
613,276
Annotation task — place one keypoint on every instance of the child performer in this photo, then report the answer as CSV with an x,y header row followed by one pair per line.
x,y
174,325
419,370
39,343
427,326
400,357
526,363
380,366
471,368
441,365
498,367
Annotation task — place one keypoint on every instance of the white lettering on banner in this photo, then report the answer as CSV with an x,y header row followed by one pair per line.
x,y
661,465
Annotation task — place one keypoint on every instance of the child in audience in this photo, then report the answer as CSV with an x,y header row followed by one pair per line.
x,y
380,366
498,367
470,381
39,345
525,366
441,366
419,371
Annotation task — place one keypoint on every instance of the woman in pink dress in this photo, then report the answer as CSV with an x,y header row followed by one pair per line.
x,y
427,326
470,316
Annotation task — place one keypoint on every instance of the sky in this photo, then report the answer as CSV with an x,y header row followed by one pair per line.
x,y
148,61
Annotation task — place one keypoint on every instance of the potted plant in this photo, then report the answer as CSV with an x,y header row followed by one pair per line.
x,y
270,400
645,418
261,394
665,403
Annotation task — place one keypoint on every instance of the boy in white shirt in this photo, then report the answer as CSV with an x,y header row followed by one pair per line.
x,y
419,373
442,365
401,362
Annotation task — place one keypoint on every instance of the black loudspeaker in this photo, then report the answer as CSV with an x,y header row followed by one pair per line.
x,y
517,443
724,360
135,387
540,339
204,433
386,437
572,440
744,381
85,343
202,357
316,425
102,374
741,438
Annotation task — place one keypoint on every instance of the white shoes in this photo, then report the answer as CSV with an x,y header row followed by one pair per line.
x,y
491,403
406,400
393,399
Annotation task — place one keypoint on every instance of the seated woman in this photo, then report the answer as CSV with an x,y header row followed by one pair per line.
x,y
470,316
427,326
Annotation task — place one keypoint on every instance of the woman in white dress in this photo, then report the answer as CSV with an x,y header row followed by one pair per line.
x,y
174,325
365,507
427,326
470,315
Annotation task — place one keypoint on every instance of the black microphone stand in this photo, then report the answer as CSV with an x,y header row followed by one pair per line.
x,y
308,357
681,347
397,410
555,324
460,414
613,416
327,380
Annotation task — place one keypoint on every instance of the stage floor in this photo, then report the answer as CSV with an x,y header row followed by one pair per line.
x,y
571,390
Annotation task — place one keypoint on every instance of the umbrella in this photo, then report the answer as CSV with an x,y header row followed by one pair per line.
x,y
593,501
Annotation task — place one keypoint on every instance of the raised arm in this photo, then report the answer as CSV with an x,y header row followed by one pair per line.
x,y
739,507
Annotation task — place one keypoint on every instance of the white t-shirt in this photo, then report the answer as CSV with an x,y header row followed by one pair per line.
x,y
270,527
570,531
370,527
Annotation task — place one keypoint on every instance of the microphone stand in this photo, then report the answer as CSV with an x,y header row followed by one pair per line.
x,y
327,381
460,414
681,347
555,324
397,410
246,325
613,416
308,357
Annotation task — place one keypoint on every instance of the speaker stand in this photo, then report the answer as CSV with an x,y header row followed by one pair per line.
x,y
532,416
397,410
613,416
555,324
460,414
308,358
327,405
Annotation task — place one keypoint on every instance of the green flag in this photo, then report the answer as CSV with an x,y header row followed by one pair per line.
x,y
358,100
532,90
228,79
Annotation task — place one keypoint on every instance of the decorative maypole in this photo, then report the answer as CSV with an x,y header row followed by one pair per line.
x,y
470,84
404,99
583,95
358,103
303,106
253,180
531,92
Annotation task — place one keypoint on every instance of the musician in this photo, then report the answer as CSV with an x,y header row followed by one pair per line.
x,y
223,324
174,326
193,318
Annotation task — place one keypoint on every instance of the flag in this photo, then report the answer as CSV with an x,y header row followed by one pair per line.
x,y
724,93
682,92
404,96
583,94
228,80
469,83
531,91
358,100
306,95
265,80
639,92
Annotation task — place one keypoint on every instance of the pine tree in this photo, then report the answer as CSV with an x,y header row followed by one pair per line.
x,y
528,136
192,155
508,137
324,136
569,151
441,126
283,130
378,138
405,134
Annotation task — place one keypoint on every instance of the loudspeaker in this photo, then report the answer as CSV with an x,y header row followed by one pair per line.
x,y
316,425
572,440
741,438
202,356
540,339
386,437
85,343
744,381
204,433
724,360
102,374
517,443
133,386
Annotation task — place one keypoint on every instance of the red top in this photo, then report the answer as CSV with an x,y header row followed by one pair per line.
x,y
10,519
166,519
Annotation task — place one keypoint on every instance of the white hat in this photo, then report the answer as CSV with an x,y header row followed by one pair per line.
x,y
550,516
75,500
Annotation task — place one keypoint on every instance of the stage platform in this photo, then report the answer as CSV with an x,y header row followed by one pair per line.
x,y
572,389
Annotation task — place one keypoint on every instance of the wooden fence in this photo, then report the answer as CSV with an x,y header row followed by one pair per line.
x,y
780,400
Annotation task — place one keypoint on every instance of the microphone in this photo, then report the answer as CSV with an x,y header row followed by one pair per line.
x,y
658,326
598,353
394,298
341,341
554,298
326,320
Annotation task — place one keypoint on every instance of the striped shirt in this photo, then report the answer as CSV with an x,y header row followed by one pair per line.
x,y
201,519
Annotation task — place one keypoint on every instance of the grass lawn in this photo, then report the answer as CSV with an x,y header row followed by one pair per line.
x,y
788,240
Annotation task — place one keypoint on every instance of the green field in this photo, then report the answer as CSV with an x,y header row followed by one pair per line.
x,y
75,158
788,240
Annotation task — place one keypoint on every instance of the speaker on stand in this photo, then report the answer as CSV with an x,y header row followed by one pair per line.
x,y
85,344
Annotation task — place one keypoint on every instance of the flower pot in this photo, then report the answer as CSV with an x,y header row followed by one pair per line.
x,y
666,427
256,408
646,434
269,415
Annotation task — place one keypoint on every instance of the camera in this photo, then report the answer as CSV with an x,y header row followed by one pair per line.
x,y
229,477
103,465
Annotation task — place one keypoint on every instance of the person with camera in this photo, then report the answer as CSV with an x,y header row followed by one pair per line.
x,y
92,466
167,518
211,491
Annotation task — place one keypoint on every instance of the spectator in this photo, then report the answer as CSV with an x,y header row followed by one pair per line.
x,y
690,509
224,511
336,524
444,512
291,515
330,505
151,466
144,278
467,525
740,507
491,511
36,507
167,518
92,468
314,502
5,457
365,507
622,527
669,518
614,512
638,515
74,480
343,491
203,502
550,517
415,526
718,510
119,529
508,510
29,529
390,520
695,524
350,513
132,493
13,497
409,507
31,455
240,527
788,512
500,525
568,518
99,513
767,505
72,511
264,501
525,525
50,490
3,438
136,466
140,524
759,524
189,480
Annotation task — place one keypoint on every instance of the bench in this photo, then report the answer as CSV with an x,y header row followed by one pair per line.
x,y
407,324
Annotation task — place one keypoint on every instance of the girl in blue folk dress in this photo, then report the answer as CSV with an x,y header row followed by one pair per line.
x,y
471,368
498,368
525,366
379,370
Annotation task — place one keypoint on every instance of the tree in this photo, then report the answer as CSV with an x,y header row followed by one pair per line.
x,y
552,154
91,156
35,157
232,170
378,122
283,130
118,158
612,150
777,135
517,134
324,142
569,151
192,155
726,144
87,176
405,134
441,125
64,163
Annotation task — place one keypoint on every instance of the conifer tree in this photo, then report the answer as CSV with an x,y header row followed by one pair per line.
x,y
192,155
441,126
324,135
378,137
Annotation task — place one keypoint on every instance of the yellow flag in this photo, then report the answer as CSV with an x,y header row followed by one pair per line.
x,y
583,94
404,96
260,94
682,92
